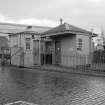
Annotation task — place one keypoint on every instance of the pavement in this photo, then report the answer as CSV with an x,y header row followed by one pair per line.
x,y
62,69
91,92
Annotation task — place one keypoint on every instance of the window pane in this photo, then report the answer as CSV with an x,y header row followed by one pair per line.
x,y
79,44
27,43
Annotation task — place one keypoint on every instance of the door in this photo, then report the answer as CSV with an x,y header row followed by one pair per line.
x,y
48,55
36,52
22,59
57,52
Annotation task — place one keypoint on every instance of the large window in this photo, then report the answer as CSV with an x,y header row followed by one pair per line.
x,y
79,44
27,43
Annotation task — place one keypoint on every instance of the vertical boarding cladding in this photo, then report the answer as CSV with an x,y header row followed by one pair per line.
x,y
16,56
28,50
28,58
68,50
83,50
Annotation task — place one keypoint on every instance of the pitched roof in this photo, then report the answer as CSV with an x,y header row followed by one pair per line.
x,y
68,29
10,28
29,32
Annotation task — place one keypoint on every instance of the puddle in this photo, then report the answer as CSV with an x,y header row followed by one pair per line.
x,y
20,103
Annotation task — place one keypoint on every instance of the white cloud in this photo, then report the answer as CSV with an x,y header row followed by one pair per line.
x,y
3,18
29,21
97,1
39,22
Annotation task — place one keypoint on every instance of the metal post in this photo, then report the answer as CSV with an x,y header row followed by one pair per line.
x,y
20,47
104,43
90,38
2,58
10,55
20,41
39,50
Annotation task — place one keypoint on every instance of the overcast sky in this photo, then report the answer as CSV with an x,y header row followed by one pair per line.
x,y
86,14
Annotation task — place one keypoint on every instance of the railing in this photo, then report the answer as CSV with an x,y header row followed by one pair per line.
x,y
98,62
16,51
46,58
75,60
84,62
5,55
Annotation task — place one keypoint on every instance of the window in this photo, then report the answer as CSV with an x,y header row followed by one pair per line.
x,y
15,41
27,43
79,44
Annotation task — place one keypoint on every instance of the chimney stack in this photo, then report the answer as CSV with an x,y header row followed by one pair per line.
x,y
61,21
29,27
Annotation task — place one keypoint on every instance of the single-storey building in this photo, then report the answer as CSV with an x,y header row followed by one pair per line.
x,y
59,45
70,45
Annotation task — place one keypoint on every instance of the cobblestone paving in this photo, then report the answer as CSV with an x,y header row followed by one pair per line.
x,y
20,103
50,88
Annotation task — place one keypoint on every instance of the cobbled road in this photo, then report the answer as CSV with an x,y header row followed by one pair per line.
x,y
50,88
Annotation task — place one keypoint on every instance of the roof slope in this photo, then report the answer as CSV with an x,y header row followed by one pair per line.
x,y
66,28
25,32
10,28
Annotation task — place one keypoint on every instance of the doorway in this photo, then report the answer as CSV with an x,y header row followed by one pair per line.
x,y
57,52
48,54
36,52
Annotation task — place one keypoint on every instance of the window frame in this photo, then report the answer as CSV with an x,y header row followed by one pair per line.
x,y
28,43
79,44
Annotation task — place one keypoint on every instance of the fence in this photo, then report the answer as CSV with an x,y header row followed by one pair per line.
x,y
5,56
75,60
84,62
